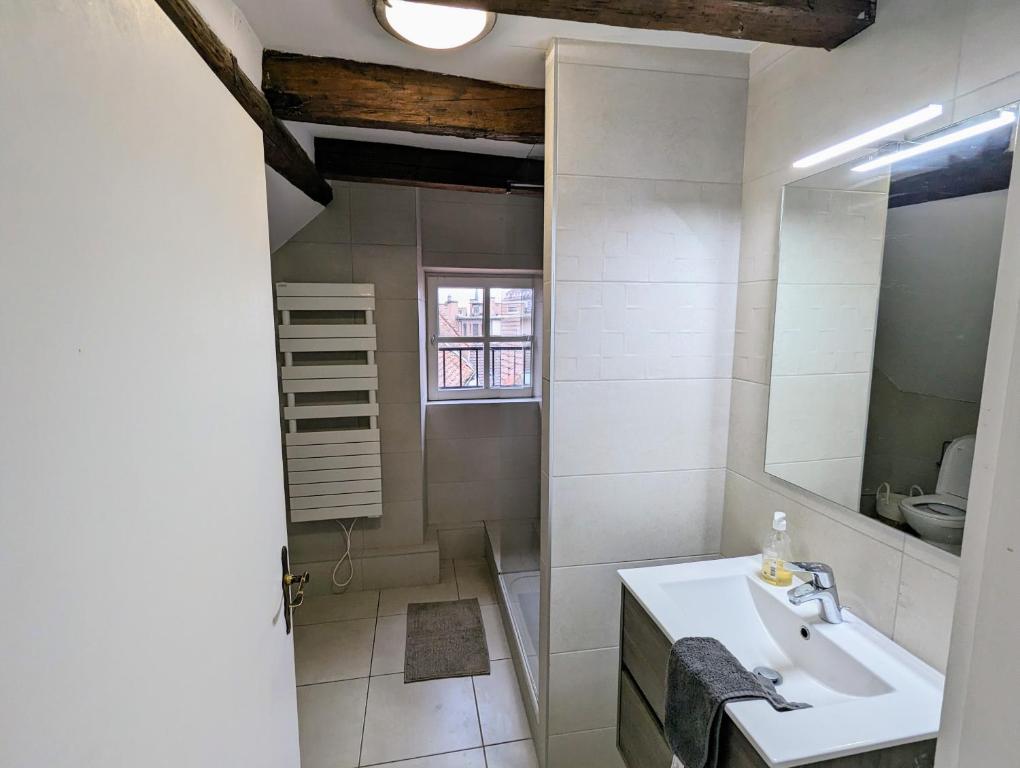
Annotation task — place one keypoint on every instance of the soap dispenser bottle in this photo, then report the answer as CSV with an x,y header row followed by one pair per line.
x,y
775,553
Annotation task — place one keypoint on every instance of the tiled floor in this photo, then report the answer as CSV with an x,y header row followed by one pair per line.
x,y
355,710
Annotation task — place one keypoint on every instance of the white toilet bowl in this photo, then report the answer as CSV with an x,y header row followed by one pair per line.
x,y
939,518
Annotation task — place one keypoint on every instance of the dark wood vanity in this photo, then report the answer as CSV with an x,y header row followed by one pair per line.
x,y
644,654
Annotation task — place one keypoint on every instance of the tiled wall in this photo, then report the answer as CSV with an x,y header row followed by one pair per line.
x,y
831,246
920,51
481,458
642,225
369,233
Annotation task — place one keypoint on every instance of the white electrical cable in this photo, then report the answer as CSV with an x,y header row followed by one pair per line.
x,y
346,555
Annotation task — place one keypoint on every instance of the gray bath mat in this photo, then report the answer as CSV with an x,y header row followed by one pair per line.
x,y
445,640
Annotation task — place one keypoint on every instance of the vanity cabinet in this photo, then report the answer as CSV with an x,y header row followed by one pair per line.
x,y
644,656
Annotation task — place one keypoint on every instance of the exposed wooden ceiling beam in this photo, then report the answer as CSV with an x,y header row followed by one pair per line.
x,y
341,92
810,23
414,166
282,151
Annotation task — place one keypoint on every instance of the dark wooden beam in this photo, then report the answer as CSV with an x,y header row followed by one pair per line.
x,y
810,23
342,92
282,151
414,166
988,172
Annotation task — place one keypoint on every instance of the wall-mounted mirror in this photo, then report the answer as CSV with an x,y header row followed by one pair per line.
x,y
887,276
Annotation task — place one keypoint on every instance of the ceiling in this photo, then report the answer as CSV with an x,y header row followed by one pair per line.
x,y
512,53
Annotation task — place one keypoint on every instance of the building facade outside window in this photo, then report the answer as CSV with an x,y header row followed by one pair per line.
x,y
481,337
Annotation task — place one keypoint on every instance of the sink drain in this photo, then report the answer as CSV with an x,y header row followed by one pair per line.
x,y
767,673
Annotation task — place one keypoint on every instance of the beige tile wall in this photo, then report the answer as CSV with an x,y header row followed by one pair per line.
x,y
369,234
482,459
642,256
920,51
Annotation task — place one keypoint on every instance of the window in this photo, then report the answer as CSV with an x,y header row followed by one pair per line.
x,y
481,335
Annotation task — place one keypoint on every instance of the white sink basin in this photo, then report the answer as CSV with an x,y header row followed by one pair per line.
x,y
866,692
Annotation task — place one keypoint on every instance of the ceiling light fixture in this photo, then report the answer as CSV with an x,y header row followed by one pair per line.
x,y
876,134
437,27
1004,119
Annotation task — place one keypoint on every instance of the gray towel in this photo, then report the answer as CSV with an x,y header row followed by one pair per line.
x,y
702,677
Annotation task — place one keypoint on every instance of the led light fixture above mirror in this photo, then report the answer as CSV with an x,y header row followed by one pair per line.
x,y
437,27
954,137
868,138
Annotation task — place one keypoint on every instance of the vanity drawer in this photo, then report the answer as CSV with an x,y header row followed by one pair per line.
x,y
639,737
645,654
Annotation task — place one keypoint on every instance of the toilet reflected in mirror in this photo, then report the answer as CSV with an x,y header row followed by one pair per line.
x,y
887,277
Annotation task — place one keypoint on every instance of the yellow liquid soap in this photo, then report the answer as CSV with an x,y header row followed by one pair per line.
x,y
775,553
773,570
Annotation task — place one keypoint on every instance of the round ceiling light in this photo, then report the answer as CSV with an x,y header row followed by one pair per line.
x,y
438,27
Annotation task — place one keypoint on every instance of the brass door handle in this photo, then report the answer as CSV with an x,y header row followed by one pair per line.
x,y
289,580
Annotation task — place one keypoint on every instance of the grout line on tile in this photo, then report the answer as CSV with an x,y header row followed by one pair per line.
x,y
331,682
368,688
478,716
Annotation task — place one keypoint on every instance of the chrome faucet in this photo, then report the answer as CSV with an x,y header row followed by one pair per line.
x,y
821,587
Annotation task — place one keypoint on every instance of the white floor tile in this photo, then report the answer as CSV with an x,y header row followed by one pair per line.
x,y
471,758
418,719
337,650
516,754
394,601
474,581
351,605
330,719
390,644
495,634
499,705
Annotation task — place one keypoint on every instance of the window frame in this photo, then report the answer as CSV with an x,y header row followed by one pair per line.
x,y
482,281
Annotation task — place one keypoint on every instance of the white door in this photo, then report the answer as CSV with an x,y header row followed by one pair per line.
x,y
141,498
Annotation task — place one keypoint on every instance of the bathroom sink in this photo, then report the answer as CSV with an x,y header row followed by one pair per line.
x,y
865,691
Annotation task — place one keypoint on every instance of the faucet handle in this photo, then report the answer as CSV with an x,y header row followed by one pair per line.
x,y
822,576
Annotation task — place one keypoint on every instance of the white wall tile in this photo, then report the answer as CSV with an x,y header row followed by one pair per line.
x,y
396,322
383,215
482,419
312,262
988,51
867,571
586,602
585,749
639,426
752,350
399,377
582,690
631,123
797,404
824,329
461,543
924,616
613,518
393,269
644,330
636,230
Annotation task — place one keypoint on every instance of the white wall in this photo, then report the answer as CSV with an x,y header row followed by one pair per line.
x,y
141,503
644,149
961,54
